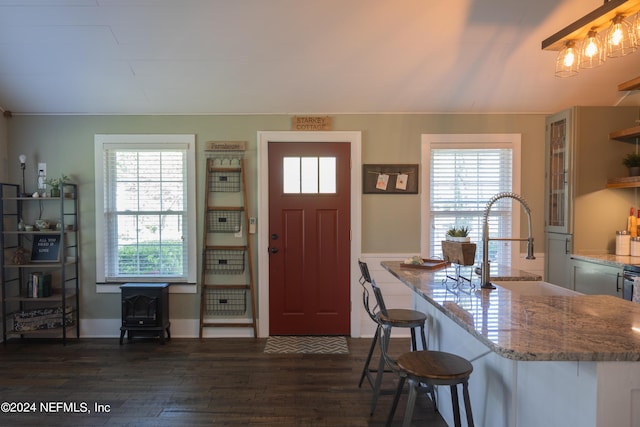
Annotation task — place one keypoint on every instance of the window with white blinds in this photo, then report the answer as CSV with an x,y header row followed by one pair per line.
x,y
465,172
462,181
145,213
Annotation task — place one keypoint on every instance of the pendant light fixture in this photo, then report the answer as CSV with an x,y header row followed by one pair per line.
x,y
592,50
620,39
612,30
567,60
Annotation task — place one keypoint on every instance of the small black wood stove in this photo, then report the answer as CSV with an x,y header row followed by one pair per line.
x,y
145,310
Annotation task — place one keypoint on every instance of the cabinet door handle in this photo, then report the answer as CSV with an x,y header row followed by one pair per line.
x,y
566,246
618,275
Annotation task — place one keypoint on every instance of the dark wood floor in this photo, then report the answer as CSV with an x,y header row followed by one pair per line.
x,y
191,382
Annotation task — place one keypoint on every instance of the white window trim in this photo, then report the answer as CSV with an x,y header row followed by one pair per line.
x,y
483,140
100,140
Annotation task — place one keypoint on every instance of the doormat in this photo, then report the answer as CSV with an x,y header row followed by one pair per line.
x,y
303,344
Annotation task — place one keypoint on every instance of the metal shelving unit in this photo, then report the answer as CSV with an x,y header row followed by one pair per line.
x,y
53,309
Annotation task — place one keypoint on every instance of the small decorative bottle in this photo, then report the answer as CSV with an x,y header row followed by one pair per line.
x,y
21,225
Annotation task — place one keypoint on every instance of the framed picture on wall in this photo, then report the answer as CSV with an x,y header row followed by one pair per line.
x,y
390,179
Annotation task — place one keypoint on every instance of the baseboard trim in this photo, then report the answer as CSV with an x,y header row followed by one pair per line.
x,y
180,328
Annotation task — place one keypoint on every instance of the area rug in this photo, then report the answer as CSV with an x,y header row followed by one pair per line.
x,y
305,344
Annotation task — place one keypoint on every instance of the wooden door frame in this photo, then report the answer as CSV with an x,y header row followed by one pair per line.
x,y
354,138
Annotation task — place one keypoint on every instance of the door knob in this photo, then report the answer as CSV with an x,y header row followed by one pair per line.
x,y
274,236
273,250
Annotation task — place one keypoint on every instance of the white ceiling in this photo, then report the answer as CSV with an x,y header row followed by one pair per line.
x,y
293,57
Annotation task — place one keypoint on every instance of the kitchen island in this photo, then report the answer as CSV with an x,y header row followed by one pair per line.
x,y
542,355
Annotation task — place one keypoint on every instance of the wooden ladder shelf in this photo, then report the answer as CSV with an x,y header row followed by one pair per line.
x,y
227,297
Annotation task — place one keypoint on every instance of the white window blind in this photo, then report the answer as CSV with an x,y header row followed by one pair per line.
x,y
462,182
145,212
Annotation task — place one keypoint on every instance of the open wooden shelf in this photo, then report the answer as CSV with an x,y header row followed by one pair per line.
x,y
56,295
625,182
626,135
633,84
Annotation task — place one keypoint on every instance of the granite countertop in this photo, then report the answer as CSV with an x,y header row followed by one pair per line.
x,y
533,327
610,259
507,274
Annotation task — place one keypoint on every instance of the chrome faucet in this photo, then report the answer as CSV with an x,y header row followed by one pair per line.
x,y
486,280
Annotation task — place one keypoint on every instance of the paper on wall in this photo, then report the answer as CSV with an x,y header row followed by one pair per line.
x,y
382,182
401,182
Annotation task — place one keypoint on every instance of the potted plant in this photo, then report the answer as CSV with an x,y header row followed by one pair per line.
x,y
458,234
55,184
632,162
457,247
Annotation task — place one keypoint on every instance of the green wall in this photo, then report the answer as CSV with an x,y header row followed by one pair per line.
x,y
389,223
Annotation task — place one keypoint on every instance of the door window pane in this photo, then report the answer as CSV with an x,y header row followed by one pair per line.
x,y
327,175
309,175
291,175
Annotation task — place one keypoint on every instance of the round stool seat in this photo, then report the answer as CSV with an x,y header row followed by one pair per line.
x,y
401,317
436,367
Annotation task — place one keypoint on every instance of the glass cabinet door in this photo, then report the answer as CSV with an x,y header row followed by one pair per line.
x,y
558,137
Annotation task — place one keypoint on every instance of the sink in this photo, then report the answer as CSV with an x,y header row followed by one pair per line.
x,y
536,288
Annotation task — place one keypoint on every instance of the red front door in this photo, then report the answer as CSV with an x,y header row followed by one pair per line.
x,y
309,238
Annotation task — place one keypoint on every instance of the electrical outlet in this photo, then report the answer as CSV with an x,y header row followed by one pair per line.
x,y
42,175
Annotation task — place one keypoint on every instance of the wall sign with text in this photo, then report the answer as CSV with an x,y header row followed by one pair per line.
x,y
46,248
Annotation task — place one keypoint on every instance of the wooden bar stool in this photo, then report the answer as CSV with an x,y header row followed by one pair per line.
x,y
395,317
430,368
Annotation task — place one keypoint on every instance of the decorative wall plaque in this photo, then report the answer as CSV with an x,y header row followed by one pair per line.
x,y
311,123
226,146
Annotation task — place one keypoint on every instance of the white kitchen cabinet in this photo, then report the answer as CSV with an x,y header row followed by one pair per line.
x,y
559,149
556,270
579,159
596,279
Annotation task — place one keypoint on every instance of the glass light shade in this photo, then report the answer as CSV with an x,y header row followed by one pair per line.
x,y
620,40
635,28
567,60
22,158
592,52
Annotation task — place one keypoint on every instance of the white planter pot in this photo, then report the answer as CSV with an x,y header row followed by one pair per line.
x,y
458,239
